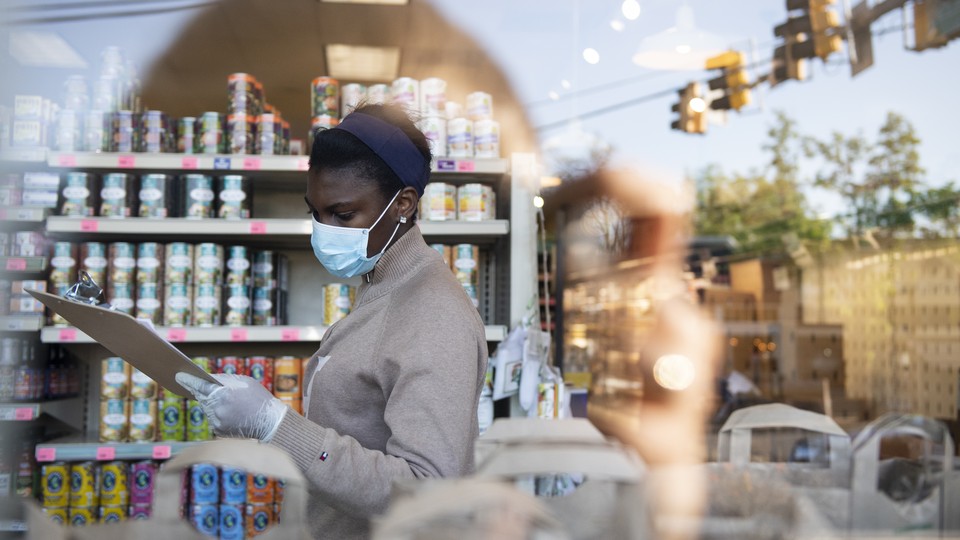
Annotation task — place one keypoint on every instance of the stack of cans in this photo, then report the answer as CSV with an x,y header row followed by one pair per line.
x,y
63,273
87,492
196,424
324,103
231,503
178,284
208,284
466,266
245,105
121,279
128,403
269,288
93,261
238,287
150,272
183,419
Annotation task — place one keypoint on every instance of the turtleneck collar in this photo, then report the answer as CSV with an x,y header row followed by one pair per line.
x,y
405,256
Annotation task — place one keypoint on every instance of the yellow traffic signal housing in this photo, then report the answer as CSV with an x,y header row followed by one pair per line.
x,y
825,24
692,110
734,82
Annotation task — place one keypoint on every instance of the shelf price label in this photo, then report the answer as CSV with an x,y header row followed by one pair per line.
x,y
251,164
16,264
238,334
106,453
290,334
89,225
258,227
68,334
46,454
176,334
221,163
23,414
446,165
466,166
161,451
188,163
67,160
126,161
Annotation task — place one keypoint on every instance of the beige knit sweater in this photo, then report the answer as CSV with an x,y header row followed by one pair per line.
x,y
397,398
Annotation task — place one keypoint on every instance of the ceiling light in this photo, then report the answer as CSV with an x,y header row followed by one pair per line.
x,y
44,49
617,25
630,9
591,55
362,63
384,2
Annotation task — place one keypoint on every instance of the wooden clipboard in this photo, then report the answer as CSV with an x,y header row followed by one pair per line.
x,y
122,335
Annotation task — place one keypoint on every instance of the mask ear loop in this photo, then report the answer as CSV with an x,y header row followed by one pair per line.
x,y
403,219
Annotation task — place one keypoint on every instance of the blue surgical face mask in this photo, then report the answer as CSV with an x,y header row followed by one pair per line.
x,y
343,250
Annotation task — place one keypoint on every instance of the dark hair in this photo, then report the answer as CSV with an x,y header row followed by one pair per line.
x,y
339,149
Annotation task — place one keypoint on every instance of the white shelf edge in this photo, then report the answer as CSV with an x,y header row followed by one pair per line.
x,y
24,155
72,450
21,323
23,214
18,411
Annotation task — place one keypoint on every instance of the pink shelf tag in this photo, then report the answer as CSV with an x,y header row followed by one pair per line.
x,y
46,454
23,413
188,162
16,265
290,334
89,225
126,162
68,334
466,166
238,334
176,334
106,453
67,160
161,451
258,227
303,164
251,164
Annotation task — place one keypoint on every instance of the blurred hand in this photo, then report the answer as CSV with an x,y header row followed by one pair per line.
x,y
241,408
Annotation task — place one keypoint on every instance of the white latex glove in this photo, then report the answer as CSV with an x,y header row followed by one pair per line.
x,y
241,408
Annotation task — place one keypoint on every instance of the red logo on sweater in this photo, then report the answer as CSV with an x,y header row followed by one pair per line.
x,y
323,456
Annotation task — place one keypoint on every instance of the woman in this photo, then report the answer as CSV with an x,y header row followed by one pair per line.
x,y
392,392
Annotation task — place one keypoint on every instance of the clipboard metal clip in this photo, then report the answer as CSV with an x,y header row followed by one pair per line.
x,y
86,291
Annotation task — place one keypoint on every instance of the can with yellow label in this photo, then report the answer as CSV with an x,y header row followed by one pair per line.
x,y
84,485
56,484
113,484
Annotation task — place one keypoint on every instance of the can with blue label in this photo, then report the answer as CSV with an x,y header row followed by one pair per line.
x,y
56,484
238,265
172,418
206,518
204,484
231,522
113,484
198,428
233,486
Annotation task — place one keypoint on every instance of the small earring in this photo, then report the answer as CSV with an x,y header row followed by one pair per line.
x,y
403,219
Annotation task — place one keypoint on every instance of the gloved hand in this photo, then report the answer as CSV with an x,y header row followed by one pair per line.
x,y
241,408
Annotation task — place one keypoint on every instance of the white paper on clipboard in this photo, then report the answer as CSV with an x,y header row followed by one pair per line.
x,y
129,339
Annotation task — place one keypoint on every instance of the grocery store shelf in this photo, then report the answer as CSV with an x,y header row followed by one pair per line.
x,y
85,449
18,216
26,412
30,155
254,163
23,265
21,323
493,227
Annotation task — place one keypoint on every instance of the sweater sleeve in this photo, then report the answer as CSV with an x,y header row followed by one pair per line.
x,y
431,380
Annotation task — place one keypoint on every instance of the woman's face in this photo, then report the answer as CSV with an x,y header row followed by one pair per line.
x,y
342,198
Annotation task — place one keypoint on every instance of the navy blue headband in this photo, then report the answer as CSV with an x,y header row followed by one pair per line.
x,y
392,145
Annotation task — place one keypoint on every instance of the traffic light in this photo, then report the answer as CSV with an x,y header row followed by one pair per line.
x,y
826,28
935,23
786,66
692,109
815,33
734,81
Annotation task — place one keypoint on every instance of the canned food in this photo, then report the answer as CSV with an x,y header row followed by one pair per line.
x,y
471,202
241,133
197,196
233,486
460,137
113,514
211,133
143,420
237,305
206,518
260,368
80,517
231,522
114,415
265,269
351,95
186,133
258,518
56,487
486,137
439,202
148,304
234,197
179,263
378,94
479,106
433,97
325,97
259,489
286,377
208,264
406,93
126,133
59,516
93,257
198,427
122,263
320,123
466,260
204,484
233,365
173,421
84,485
238,265
156,196
115,378
205,363
337,301
177,300
150,260
268,133
153,132
96,132
434,128
244,94
113,484
141,385
78,195
140,511
117,195
266,306
142,477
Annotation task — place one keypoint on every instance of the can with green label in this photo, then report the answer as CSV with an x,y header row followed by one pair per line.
x,y
172,421
198,427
